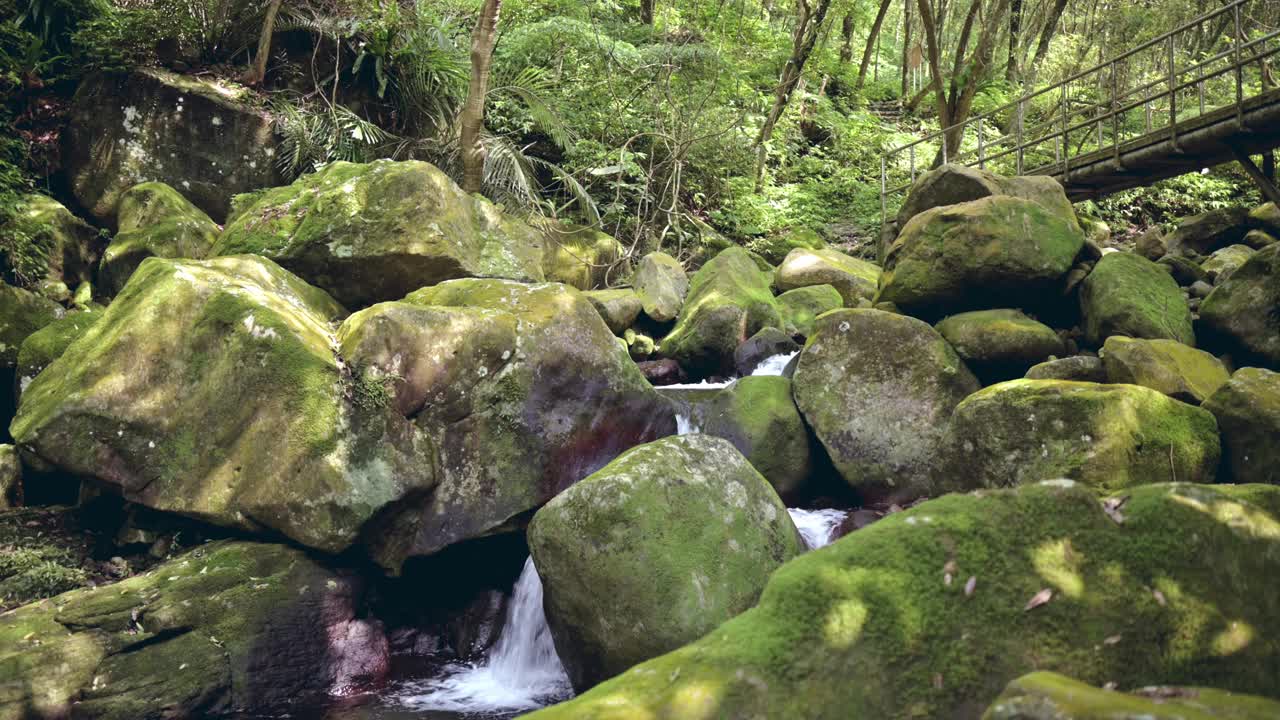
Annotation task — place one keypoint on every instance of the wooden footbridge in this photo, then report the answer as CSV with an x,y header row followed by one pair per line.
x,y
1108,128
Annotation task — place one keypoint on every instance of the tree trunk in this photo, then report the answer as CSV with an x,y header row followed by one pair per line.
x,y
258,72
646,11
871,42
1046,34
846,33
906,43
1015,28
808,28
483,39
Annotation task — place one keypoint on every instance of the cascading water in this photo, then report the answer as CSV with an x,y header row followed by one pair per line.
x,y
817,526
685,425
521,671
774,365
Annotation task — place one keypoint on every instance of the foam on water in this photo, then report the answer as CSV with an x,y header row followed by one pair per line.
x,y
775,364
816,526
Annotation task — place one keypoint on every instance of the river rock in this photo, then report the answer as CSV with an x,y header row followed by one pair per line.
x,y
1050,696
760,347
228,626
1184,271
1000,344
10,477
1109,437
1129,295
375,232
1248,411
758,415
729,301
999,251
153,219
878,390
619,308
200,135
46,248
1179,371
1258,239
522,390
1151,244
654,551
1174,591
48,343
1244,311
804,267
953,184
1084,368
1207,232
800,307
583,257
661,283
1266,217
22,312
1225,261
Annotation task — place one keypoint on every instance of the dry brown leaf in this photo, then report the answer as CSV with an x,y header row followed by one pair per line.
x,y
1039,599
1111,640
970,584
1159,596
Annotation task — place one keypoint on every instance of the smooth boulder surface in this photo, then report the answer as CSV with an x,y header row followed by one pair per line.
x,y
953,184
661,283
583,257
211,389
619,308
1207,232
224,627
869,629
999,251
1109,437
1127,294
1244,311
729,300
1225,261
10,477
1247,408
804,267
1001,344
1181,372
1050,696
22,312
153,219
202,136
654,551
368,233
1085,368
48,343
46,248
878,390
800,307
758,415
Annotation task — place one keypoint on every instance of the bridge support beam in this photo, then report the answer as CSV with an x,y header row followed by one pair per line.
x,y
1265,184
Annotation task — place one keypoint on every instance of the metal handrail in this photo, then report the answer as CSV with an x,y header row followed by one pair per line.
x,y
1116,103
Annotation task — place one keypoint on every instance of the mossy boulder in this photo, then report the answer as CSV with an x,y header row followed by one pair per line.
x,y
48,343
654,551
522,390
758,415
800,307
878,390
999,251
1085,368
46,248
1181,372
1109,437
583,257
619,308
1127,294
661,283
202,135
1258,239
153,219
10,477
1244,311
1151,244
367,233
1225,261
228,626
1050,696
774,248
953,184
211,389
1207,232
1266,217
804,267
868,628
769,342
729,300
1247,408
1000,344
22,312
1185,272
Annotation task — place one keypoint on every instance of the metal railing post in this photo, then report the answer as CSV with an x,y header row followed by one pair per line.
x,y
1062,136
982,148
1173,98
911,153
1238,44
883,185
1115,115
1018,138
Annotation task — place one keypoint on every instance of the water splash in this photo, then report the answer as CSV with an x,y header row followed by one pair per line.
x,y
775,364
817,526
521,671
685,424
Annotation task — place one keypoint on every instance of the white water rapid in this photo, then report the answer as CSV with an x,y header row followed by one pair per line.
x,y
521,671
775,364
817,526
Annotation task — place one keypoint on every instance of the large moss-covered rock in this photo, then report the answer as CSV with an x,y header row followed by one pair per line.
x,y
227,626
22,313
46,248
953,184
583,257
800,307
1266,217
868,628
1244,311
1174,369
759,417
10,477
619,308
1085,368
1109,437
661,283
1000,344
878,390
153,219
48,343
201,135
655,550
1204,233
1225,261
375,232
211,389
1248,411
729,301
852,277
1050,696
999,251
1127,294
523,390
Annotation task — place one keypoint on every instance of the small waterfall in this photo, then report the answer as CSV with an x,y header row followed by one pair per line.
x,y
685,424
816,526
521,671
774,365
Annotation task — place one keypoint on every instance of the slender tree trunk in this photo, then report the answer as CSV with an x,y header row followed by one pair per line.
x,y
646,11
1046,34
483,39
906,42
1015,30
846,34
871,42
258,72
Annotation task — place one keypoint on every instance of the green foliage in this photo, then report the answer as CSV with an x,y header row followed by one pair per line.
x,y
318,133
54,21
372,390
1167,201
